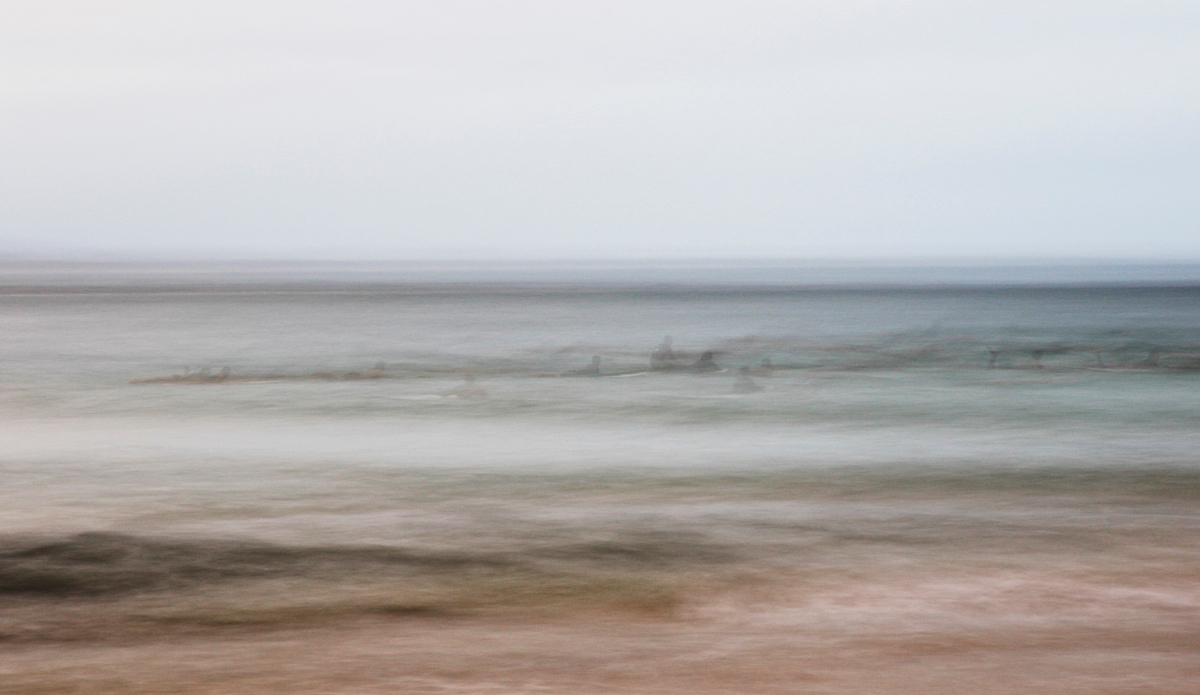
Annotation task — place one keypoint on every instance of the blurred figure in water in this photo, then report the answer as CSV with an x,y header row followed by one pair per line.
x,y
1036,359
663,356
744,384
763,369
993,354
592,369
468,389
705,363
376,372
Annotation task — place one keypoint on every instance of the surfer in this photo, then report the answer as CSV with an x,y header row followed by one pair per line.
x,y
705,363
376,372
468,389
744,384
592,369
663,356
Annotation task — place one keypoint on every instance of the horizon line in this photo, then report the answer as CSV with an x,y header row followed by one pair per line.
x,y
790,261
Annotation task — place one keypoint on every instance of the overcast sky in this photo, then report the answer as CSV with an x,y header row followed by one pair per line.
x,y
582,129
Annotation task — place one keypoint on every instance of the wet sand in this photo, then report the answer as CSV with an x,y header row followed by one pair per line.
x,y
1010,583
742,653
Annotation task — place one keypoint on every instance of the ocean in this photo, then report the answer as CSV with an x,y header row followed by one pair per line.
x,y
500,479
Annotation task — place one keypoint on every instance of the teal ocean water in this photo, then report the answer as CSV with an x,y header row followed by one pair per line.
x,y
998,479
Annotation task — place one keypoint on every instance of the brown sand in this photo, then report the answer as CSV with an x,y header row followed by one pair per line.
x,y
910,637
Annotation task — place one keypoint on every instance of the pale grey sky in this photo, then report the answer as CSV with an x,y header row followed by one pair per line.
x,y
532,129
